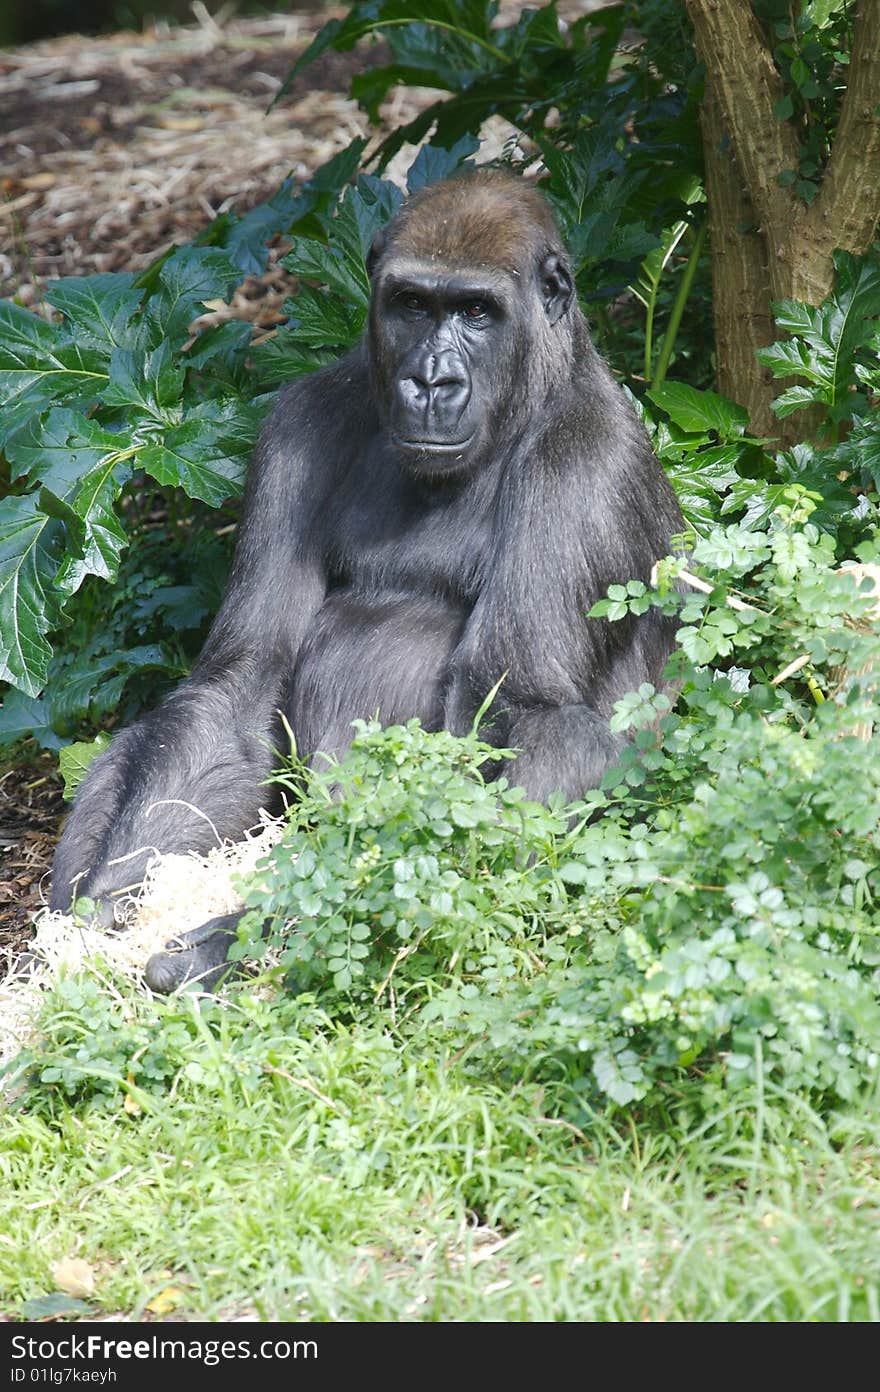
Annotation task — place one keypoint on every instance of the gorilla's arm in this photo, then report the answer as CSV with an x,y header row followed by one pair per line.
x,y
191,770
586,506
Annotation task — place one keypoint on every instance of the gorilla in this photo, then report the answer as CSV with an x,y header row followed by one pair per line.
x,y
437,510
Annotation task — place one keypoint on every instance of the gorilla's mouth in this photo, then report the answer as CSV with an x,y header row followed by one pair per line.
x,y
433,446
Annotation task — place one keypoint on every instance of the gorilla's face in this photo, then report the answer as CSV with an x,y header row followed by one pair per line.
x,y
450,348
443,345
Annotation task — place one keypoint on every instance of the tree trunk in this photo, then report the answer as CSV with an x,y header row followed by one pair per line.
x,y
740,283
767,244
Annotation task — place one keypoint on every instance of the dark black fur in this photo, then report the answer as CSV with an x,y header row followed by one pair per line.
x,y
372,574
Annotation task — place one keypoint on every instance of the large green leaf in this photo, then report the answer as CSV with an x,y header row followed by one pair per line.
x,y
443,27
793,357
316,261
83,467
859,453
75,759
321,320
206,454
701,480
96,683
336,173
150,382
700,410
38,364
22,715
28,608
577,172
101,308
432,164
827,340
247,243
341,264
189,277
282,358
223,347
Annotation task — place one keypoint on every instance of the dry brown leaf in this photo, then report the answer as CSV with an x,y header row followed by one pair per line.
x,y
168,1299
73,1276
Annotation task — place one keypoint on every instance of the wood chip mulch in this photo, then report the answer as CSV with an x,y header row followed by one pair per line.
x,y
30,812
113,149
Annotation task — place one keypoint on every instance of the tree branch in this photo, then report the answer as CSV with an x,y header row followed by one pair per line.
x,y
730,43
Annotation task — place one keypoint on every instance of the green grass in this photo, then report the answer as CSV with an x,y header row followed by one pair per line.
x,y
285,1166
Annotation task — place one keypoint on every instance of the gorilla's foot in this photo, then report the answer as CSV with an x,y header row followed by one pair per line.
x,y
197,958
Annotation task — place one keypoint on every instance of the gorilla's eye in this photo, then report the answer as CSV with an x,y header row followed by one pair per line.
x,y
415,304
475,309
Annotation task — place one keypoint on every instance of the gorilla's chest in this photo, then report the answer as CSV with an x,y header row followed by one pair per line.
x,y
404,572
402,542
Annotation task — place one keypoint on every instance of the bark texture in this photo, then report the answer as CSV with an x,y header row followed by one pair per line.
x,y
767,244
740,281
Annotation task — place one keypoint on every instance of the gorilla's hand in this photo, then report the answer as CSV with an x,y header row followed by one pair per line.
x,y
197,957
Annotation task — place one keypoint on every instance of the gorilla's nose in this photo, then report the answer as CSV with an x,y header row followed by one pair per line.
x,y
438,370
438,382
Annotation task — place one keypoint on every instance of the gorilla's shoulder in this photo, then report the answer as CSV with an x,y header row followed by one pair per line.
x,y
345,381
319,419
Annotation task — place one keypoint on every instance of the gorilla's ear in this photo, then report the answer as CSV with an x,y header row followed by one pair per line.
x,y
557,287
378,245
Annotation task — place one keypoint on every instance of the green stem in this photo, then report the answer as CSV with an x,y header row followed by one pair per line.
x,y
681,299
649,335
450,28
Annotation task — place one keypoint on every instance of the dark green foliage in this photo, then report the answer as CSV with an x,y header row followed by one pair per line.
x,y
617,128
719,470
835,351
455,48
95,1053
833,347
105,394
393,849
125,645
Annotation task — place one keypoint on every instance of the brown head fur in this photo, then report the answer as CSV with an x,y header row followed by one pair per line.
x,y
484,218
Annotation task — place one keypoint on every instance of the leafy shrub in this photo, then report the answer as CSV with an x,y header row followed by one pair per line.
x,y
403,850
106,391
94,1047
616,125
719,917
100,1045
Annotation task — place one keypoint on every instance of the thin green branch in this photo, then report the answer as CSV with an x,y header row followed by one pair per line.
x,y
681,299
